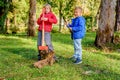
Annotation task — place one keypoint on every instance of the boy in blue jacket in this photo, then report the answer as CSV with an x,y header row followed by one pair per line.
x,y
77,28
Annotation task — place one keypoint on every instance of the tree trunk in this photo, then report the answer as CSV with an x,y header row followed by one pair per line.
x,y
7,25
106,23
32,18
60,16
3,14
117,24
14,18
97,15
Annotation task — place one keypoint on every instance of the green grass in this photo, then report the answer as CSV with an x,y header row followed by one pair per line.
x,y
18,53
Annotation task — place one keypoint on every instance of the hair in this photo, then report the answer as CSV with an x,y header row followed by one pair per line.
x,y
78,7
49,6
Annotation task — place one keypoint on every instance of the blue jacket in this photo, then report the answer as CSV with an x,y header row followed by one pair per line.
x,y
78,27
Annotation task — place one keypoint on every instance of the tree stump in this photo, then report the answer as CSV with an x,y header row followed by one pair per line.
x,y
47,59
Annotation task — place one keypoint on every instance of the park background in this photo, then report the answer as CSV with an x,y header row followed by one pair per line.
x,y
101,45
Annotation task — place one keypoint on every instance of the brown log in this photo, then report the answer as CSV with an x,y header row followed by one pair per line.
x,y
47,59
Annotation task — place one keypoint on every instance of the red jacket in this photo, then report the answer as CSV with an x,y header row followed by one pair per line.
x,y
48,24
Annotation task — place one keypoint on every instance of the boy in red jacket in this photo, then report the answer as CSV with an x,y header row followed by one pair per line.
x,y
49,19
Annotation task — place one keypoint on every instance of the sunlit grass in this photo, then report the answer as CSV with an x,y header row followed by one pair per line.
x,y
18,53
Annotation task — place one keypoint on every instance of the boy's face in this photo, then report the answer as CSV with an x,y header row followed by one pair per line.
x,y
77,12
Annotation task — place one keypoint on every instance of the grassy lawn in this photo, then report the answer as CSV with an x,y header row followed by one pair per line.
x,y
18,53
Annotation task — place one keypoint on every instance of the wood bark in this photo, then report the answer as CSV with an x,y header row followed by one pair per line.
x,y
117,25
3,14
106,23
32,18
7,24
60,17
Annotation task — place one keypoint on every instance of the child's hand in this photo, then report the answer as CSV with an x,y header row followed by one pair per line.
x,y
70,29
44,19
66,23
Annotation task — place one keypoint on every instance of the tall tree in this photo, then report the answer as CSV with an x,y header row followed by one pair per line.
x,y
60,15
32,18
4,7
106,23
117,25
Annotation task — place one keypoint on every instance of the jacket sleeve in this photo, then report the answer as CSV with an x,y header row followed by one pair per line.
x,y
39,20
80,26
52,19
69,25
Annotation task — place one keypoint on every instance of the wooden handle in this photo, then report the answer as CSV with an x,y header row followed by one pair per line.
x,y
43,32
66,22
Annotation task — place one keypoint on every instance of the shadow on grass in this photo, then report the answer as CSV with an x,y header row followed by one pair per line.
x,y
11,42
15,45
62,38
24,52
22,35
110,55
64,62
88,40
98,73
86,71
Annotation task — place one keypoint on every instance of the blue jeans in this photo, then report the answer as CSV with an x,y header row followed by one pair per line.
x,y
77,48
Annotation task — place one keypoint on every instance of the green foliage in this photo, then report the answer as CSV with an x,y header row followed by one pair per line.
x,y
88,21
4,6
19,9
14,29
90,9
18,53
68,8
1,4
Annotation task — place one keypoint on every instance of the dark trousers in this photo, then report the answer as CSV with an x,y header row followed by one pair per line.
x,y
47,40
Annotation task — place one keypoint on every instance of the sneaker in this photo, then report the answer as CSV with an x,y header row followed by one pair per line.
x,y
56,59
73,58
78,61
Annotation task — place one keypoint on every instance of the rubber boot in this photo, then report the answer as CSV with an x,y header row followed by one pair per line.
x,y
39,56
